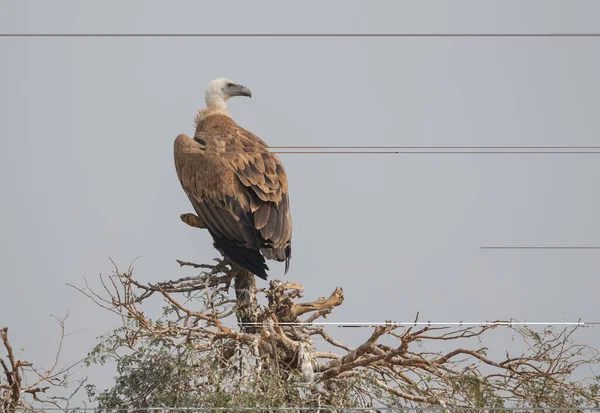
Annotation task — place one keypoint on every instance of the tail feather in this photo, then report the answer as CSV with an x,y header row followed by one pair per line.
x,y
250,259
278,254
288,253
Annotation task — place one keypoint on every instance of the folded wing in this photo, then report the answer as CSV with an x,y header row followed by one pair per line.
x,y
239,190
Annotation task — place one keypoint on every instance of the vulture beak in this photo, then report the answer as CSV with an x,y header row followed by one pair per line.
x,y
242,91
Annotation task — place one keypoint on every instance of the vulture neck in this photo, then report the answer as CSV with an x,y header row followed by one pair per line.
x,y
215,106
216,103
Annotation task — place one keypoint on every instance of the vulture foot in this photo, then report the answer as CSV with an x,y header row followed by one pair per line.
x,y
192,220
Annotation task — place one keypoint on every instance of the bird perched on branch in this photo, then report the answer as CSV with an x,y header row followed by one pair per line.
x,y
238,188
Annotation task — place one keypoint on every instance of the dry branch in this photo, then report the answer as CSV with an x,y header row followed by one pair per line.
x,y
15,387
391,366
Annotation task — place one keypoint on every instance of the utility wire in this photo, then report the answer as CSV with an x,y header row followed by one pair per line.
x,y
424,152
431,324
324,409
397,150
419,150
430,147
338,35
541,247
432,152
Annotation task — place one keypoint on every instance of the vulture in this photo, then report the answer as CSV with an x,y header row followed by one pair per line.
x,y
238,188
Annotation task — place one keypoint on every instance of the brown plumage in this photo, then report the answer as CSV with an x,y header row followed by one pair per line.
x,y
238,189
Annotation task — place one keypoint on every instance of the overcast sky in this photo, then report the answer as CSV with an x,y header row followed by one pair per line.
x,y
86,155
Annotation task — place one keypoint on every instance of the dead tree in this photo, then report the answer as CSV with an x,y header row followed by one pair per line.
x,y
24,387
394,366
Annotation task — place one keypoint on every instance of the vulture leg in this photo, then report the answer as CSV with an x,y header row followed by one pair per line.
x,y
192,220
245,293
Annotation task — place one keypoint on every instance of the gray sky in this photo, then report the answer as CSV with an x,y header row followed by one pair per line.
x,y
86,158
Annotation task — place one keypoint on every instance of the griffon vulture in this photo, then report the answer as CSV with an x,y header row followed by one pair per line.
x,y
238,188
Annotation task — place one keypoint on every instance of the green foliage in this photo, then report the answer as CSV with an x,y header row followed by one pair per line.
x,y
193,359
160,374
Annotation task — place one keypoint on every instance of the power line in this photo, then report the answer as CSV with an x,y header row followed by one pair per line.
x,y
542,247
419,150
324,409
480,152
339,35
429,147
350,409
424,152
431,323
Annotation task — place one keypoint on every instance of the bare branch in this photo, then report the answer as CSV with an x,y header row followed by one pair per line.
x,y
394,365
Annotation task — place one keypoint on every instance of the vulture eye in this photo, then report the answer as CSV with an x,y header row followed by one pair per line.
x,y
230,84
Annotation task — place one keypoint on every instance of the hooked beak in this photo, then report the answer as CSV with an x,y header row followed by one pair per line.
x,y
242,91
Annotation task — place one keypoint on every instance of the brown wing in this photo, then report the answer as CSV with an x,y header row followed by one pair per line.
x,y
241,197
263,181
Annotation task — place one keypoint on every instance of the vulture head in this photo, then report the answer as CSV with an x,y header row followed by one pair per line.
x,y
220,90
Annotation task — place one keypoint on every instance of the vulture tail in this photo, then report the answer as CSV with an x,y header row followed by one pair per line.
x,y
288,252
251,260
